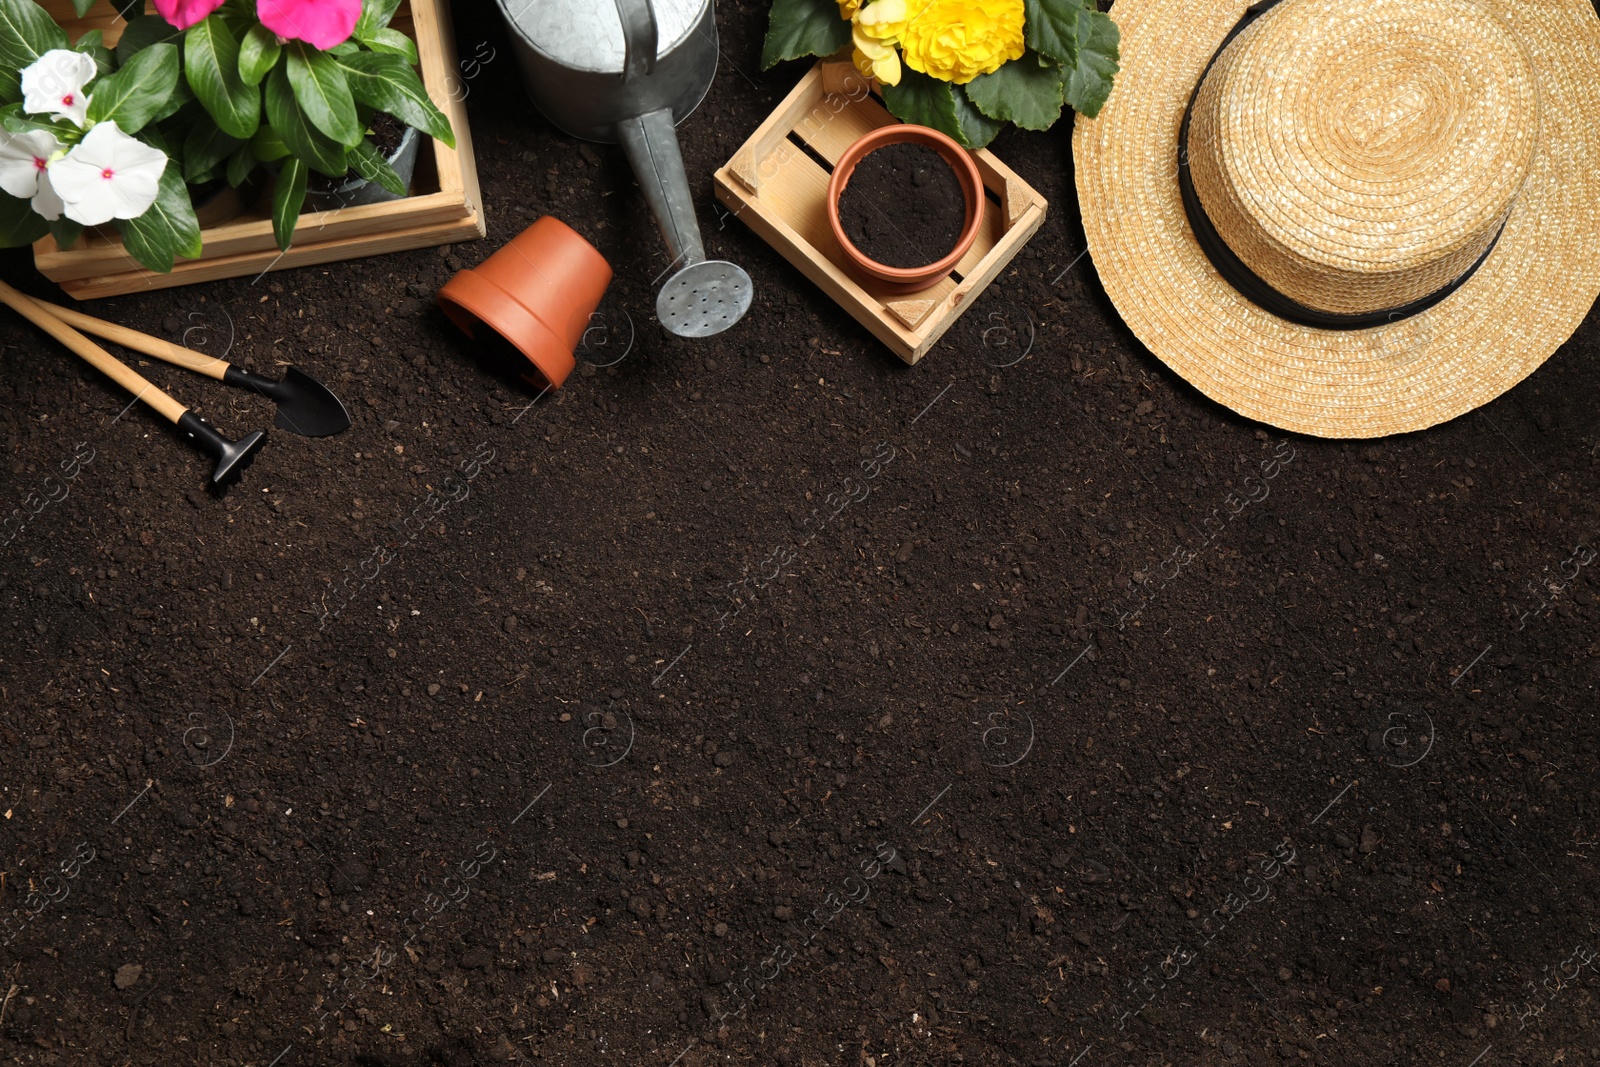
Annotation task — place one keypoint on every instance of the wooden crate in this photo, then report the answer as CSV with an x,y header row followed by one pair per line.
x,y
445,205
777,186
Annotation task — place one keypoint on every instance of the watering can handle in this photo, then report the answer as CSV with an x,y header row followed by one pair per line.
x,y
638,38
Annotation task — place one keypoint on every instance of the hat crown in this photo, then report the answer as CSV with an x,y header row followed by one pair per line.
x,y
1360,157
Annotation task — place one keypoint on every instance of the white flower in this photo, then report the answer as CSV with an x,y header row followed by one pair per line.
x,y
53,84
24,169
109,175
24,158
46,203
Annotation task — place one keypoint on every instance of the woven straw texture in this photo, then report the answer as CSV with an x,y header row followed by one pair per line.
x,y
1356,157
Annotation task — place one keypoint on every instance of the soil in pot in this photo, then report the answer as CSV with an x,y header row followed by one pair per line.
x,y
387,133
903,206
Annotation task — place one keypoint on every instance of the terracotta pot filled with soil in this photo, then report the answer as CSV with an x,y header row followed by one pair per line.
x,y
905,203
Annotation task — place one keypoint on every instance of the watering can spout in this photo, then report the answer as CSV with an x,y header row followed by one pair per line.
x,y
651,144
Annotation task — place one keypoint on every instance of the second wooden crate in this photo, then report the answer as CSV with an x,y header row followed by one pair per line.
x,y
778,183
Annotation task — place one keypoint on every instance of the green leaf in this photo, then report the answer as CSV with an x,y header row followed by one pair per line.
x,y
1089,79
375,15
26,33
82,7
1023,91
137,93
1052,28
241,165
16,120
267,146
393,41
303,139
388,83
798,28
181,98
367,161
323,93
204,148
90,44
19,223
211,65
258,54
65,231
928,101
157,138
141,32
977,129
288,197
168,229
344,48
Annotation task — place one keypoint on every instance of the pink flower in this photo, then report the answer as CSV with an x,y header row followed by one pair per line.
x,y
185,13
319,23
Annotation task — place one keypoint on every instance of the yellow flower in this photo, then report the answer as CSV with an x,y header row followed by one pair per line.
x,y
957,40
848,8
874,59
882,20
874,30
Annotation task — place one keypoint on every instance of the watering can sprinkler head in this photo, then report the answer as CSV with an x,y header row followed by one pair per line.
x,y
703,296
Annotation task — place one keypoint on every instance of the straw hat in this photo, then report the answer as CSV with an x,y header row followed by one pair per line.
x,y
1393,206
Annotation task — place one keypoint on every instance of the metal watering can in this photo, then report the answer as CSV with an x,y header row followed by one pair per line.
x,y
629,74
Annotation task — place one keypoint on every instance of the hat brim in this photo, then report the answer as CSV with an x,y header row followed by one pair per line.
x,y
1509,317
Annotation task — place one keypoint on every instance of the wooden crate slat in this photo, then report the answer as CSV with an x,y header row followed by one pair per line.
x,y
100,257
830,135
780,192
445,207
202,270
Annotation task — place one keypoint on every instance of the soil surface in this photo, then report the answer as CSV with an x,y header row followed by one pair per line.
x,y
763,700
903,206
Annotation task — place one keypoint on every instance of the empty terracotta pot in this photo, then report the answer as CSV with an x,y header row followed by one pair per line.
x,y
907,279
538,292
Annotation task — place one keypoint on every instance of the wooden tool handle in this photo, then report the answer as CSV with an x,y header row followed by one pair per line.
x,y
104,361
139,342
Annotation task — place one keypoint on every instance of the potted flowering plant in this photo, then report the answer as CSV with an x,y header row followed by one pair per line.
x,y
198,92
963,67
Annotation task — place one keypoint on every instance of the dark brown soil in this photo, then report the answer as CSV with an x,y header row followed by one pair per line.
x,y
763,700
903,206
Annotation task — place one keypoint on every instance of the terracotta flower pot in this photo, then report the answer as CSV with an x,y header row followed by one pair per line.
x,y
538,292
907,279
